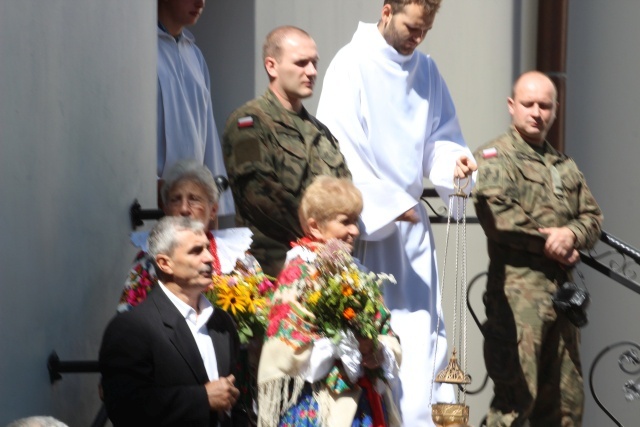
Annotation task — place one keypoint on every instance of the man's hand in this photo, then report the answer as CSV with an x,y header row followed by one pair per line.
x,y
222,393
464,167
571,259
559,245
410,216
371,355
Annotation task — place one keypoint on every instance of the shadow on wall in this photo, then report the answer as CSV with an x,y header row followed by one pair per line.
x,y
226,36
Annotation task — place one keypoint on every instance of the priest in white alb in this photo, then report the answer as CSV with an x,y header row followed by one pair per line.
x,y
396,124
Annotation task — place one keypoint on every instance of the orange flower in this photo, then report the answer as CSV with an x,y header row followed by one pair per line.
x,y
347,290
349,313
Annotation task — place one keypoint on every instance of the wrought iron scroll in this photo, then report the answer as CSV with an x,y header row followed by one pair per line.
x,y
439,213
618,261
629,363
472,312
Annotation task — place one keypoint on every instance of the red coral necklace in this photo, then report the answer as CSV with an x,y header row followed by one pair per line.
x,y
213,248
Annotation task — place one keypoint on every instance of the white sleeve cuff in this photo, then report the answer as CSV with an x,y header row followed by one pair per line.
x,y
323,353
349,352
389,365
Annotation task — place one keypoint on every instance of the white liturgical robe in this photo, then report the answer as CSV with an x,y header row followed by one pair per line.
x,y
186,127
396,124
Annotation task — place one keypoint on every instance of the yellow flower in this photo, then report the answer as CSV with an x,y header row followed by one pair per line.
x,y
218,281
255,302
314,297
232,298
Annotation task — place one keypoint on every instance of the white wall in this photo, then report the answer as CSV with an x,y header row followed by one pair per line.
x,y
225,34
77,145
602,135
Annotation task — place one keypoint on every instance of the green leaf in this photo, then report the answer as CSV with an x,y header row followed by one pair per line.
x,y
246,330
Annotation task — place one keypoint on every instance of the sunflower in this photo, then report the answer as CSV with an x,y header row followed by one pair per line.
x,y
233,298
255,302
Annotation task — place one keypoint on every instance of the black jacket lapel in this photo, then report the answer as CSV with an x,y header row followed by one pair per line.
x,y
179,334
219,331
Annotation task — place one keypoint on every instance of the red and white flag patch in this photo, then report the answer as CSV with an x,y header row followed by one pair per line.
x,y
245,122
488,153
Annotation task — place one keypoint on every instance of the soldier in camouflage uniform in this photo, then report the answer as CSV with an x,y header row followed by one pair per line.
x,y
273,148
537,211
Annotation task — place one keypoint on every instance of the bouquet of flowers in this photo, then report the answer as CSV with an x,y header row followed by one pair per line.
x,y
245,294
342,296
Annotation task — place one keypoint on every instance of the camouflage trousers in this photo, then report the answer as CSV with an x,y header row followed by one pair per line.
x,y
532,355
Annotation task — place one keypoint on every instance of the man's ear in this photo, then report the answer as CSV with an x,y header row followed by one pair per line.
x,y
270,64
510,105
213,215
213,218
164,264
314,229
385,15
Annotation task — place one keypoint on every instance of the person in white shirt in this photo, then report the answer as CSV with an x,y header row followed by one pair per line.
x,y
186,126
392,113
171,360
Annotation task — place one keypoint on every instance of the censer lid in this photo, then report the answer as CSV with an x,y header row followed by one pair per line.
x,y
452,374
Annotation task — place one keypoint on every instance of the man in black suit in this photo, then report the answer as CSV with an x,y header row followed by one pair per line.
x,y
169,361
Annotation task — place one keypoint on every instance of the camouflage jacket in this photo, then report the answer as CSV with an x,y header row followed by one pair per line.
x,y
519,191
272,155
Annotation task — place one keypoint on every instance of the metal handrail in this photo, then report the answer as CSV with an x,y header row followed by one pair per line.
x,y
623,260
56,367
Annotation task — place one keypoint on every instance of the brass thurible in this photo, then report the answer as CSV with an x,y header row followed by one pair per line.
x,y
455,414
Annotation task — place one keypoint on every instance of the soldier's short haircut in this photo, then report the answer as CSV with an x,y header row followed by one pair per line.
x,y
529,74
163,237
272,46
193,171
327,197
430,6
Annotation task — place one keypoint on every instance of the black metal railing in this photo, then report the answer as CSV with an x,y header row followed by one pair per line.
x,y
620,262
439,214
56,368
629,364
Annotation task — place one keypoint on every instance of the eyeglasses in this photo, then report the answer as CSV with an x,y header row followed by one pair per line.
x,y
194,202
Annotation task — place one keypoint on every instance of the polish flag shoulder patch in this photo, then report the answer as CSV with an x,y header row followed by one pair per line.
x,y
245,122
489,153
